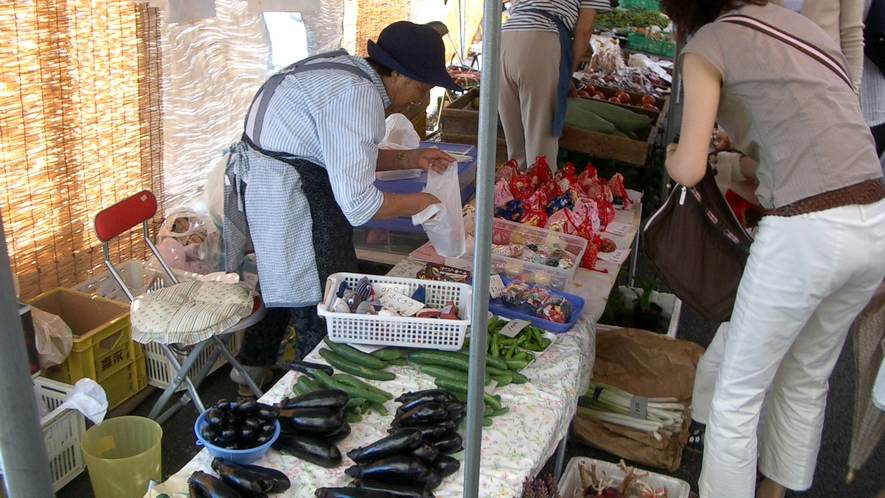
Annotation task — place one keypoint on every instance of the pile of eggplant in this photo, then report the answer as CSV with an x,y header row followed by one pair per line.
x,y
311,424
414,457
241,425
236,481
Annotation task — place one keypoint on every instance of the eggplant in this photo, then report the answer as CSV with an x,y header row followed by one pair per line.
x,y
430,480
241,479
445,465
280,480
401,468
339,434
266,412
429,432
351,493
211,486
246,406
334,399
399,442
216,417
222,404
450,443
194,492
438,397
408,397
316,422
313,450
424,413
426,452
309,368
397,489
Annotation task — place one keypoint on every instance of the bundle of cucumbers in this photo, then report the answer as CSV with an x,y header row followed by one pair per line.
x,y
368,366
235,480
604,117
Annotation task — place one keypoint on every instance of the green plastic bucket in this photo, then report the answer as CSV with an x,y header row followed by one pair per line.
x,y
122,454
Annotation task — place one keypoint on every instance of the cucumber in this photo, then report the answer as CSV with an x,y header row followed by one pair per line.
x,y
441,372
514,364
461,387
500,411
497,371
517,377
443,358
354,355
587,120
487,422
353,381
350,390
491,361
378,407
344,365
387,354
623,119
353,417
503,380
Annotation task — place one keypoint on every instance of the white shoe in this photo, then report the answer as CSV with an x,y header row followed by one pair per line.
x,y
257,374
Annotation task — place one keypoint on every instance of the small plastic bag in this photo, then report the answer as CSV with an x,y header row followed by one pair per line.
x,y
443,222
190,241
399,133
52,336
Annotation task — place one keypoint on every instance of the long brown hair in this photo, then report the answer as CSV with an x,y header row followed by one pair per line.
x,y
689,15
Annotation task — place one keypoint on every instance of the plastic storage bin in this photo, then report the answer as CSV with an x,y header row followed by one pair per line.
x,y
527,271
433,333
62,431
570,482
103,349
139,276
123,455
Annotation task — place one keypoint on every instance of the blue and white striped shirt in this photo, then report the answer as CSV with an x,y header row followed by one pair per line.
x,y
332,118
567,10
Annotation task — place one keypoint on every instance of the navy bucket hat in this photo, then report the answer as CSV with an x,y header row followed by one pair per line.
x,y
415,50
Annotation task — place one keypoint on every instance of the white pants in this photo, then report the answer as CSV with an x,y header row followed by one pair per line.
x,y
806,279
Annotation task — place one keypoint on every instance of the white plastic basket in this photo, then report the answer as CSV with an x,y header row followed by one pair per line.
x,y
139,276
62,430
432,333
570,485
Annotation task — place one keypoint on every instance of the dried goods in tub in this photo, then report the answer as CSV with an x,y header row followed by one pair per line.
x,y
631,486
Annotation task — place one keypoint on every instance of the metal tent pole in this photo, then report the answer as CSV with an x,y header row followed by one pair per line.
x,y
485,184
25,464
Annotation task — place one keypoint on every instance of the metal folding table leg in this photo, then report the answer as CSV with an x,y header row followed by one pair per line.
x,y
181,371
560,454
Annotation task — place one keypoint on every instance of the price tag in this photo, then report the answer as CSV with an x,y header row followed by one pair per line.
x,y
618,256
513,327
496,286
382,288
403,305
638,406
618,228
491,387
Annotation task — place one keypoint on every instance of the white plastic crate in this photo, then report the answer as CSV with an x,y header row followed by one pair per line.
x,y
62,430
432,333
139,276
570,485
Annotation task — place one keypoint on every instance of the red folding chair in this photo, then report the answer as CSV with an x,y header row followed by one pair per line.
x,y
123,217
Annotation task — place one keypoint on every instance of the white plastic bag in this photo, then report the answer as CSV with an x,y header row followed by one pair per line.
x,y
400,133
190,241
443,222
52,336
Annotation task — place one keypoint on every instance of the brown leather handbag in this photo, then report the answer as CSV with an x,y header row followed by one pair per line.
x,y
698,247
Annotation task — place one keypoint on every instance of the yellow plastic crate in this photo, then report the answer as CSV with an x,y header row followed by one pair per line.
x,y
103,349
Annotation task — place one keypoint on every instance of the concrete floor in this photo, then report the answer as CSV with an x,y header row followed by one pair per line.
x,y
178,438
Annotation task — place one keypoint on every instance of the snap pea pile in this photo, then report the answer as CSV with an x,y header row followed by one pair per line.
x,y
521,347
633,17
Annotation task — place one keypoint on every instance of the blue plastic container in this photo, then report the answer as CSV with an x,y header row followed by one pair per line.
x,y
244,456
498,307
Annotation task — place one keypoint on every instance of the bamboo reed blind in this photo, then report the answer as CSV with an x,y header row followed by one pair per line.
x,y
80,129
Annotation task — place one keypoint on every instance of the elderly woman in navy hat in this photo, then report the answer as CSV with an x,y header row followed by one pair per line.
x,y
304,169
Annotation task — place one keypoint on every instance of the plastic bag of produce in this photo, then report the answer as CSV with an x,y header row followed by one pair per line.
x,y
443,222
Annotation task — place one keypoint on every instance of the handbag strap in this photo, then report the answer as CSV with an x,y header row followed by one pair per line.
x,y
803,46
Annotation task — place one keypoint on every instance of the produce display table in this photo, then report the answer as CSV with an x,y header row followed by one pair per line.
x,y
516,446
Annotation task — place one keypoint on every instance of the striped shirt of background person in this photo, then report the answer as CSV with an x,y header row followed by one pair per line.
x,y
567,10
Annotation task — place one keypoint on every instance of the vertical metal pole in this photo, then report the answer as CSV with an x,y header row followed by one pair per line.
x,y
25,464
487,143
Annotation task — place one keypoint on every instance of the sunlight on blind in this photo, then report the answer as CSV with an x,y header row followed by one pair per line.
x,y
76,130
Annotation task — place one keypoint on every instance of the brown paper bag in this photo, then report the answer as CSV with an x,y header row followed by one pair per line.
x,y
645,364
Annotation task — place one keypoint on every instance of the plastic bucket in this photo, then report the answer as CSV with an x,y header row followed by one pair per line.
x,y
122,454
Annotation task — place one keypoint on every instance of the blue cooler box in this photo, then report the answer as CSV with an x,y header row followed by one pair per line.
x,y
466,173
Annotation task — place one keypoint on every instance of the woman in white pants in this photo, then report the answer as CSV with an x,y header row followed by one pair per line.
x,y
819,252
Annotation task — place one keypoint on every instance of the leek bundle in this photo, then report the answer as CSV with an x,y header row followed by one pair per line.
x,y
656,416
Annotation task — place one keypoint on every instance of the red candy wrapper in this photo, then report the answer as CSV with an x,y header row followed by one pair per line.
x,y
521,187
534,217
551,188
507,171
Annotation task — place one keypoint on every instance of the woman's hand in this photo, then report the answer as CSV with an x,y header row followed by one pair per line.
x,y
425,159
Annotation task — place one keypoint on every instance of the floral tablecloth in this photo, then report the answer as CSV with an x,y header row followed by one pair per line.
x,y
516,446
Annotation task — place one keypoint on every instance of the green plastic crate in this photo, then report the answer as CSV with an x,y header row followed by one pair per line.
x,y
641,4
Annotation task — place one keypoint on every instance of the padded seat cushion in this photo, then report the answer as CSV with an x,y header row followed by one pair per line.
x,y
189,312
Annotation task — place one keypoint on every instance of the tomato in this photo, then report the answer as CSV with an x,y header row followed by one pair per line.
x,y
648,99
599,96
589,89
649,106
623,96
615,100
583,94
